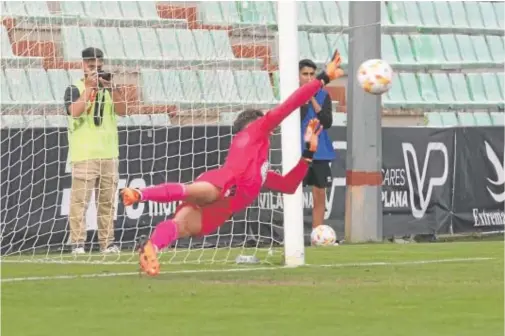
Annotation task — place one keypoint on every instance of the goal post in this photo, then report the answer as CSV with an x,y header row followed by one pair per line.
x,y
290,131
187,69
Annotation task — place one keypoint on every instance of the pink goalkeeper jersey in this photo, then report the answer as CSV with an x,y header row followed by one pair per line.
x,y
247,161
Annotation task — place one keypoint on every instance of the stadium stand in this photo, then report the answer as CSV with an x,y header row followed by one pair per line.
x,y
199,62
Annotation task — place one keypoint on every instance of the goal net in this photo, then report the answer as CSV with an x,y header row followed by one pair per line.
x,y
185,69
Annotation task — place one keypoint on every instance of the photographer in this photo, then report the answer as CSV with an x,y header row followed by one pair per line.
x,y
92,104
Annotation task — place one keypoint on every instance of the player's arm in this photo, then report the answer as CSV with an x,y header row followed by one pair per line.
x,y
324,114
274,117
288,183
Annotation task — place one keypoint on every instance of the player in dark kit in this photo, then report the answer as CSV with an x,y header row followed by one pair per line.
x,y
216,195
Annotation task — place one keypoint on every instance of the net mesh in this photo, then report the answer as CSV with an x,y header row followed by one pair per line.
x,y
185,69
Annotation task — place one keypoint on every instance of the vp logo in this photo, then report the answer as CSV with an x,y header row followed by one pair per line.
x,y
500,173
420,177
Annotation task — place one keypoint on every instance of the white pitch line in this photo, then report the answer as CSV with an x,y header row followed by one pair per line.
x,y
228,270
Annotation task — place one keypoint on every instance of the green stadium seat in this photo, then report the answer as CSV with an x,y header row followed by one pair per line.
x,y
332,13
499,9
152,87
449,118
304,50
451,48
19,85
191,87
466,48
131,42
147,10
276,84
15,8
340,42
395,95
443,13
72,43
257,13
388,49
496,47
385,18
41,89
412,12
58,78
343,9
151,46
303,19
93,9
428,15
433,119
263,87
230,12
442,87
427,48
209,12
71,8
129,9
410,87
473,14
320,47
111,10
315,13
398,13
501,81
267,11
466,119
5,94
113,44
92,37
6,48
186,42
171,82
488,14
480,45
38,8
339,119
205,44
428,90
498,118
476,86
245,85
459,87
458,14
222,44
493,91
482,119
228,86
210,86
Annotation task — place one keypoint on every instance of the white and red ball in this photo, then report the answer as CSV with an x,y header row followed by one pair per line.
x,y
323,235
375,76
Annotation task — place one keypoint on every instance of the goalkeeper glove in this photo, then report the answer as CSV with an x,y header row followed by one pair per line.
x,y
130,196
311,139
333,70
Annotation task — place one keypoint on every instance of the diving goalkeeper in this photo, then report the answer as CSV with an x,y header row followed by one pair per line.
x,y
217,194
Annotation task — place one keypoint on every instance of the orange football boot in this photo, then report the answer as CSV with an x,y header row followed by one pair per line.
x,y
148,258
130,196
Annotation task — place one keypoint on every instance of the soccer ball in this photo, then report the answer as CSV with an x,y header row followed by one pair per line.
x,y
323,235
375,76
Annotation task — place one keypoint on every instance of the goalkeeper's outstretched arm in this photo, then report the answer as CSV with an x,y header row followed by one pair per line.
x,y
272,119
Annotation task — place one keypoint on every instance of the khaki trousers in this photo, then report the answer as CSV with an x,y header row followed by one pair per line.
x,y
101,175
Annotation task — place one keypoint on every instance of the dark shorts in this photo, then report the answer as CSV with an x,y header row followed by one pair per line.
x,y
216,214
319,175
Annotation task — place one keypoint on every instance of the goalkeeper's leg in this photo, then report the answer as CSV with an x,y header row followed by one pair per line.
x,y
205,190
189,220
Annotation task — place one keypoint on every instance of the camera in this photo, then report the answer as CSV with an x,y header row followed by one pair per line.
x,y
105,75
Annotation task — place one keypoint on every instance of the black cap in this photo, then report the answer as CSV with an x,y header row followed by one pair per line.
x,y
92,53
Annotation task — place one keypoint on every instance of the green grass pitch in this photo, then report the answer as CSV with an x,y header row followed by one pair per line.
x,y
377,289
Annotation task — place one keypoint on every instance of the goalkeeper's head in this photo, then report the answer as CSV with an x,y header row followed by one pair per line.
x,y
245,118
